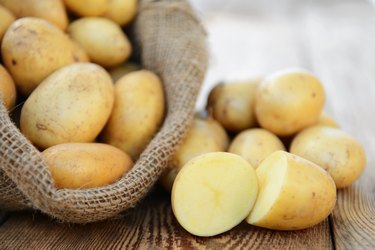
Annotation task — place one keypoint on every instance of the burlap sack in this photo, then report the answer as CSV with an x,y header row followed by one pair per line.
x,y
172,44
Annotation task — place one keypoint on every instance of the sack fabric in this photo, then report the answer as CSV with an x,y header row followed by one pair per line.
x,y
172,44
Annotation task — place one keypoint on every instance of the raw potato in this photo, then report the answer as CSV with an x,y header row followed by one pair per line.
x,y
232,104
293,193
289,101
32,49
213,193
254,145
137,114
102,39
166,180
79,54
121,11
50,10
327,120
333,150
7,89
86,165
123,69
87,7
71,105
6,18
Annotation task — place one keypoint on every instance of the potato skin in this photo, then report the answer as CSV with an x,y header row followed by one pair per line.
x,y
79,54
121,11
7,89
334,150
87,7
137,113
254,145
93,34
6,18
289,101
86,165
327,120
50,10
32,49
71,105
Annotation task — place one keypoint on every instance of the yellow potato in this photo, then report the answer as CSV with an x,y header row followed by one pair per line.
x,y
102,39
293,193
123,69
86,165
32,49
334,150
121,11
213,193
254,145
79,54
50,10
232,104
87,7
6,18
288,101
71,105
7,89
137,114
327,120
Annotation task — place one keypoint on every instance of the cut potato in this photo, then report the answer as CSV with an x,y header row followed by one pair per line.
x,y
294,193
213,193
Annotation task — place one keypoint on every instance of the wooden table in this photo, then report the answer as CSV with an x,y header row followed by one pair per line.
x,y
333,39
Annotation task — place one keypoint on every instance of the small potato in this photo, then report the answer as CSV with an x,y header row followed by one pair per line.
x,y
32,49
289,101
213,193
123,69
327,120
6,18
86,165
87,7
71,105
294,193
254,145
7,89
79,54
333,150
137,114
102,39
50,10
121,11
232,104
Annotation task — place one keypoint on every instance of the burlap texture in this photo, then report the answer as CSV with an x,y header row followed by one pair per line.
x,y
172,44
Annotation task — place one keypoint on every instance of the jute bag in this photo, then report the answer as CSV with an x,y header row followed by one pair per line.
x,y
172,44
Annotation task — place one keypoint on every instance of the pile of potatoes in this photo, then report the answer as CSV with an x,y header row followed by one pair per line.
x,y
65,65
234,165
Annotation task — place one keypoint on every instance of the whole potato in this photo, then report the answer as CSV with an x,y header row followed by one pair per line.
x,y
288,101
32,49
137,114
254,145
86,165
102,39
71,105
327,120
121,11
6,18
123,69
50,10
333,150
7,89
232,104
87,7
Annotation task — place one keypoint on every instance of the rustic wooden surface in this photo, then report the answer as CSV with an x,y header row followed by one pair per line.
x,y
334,39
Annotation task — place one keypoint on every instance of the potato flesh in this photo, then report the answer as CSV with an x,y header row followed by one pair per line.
x,y
213,193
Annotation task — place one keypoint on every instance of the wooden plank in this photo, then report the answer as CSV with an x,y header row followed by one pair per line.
x,y
342,40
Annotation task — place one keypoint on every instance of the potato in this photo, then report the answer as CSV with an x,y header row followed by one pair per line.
x,y
32,49
137,114
123,69
6,18
166,180
71,105
254,145
87,7
333,150
121,11
86,165
288,101
7,89
213,193
294,193
102,39
50,10
327,120
79,54
232,104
